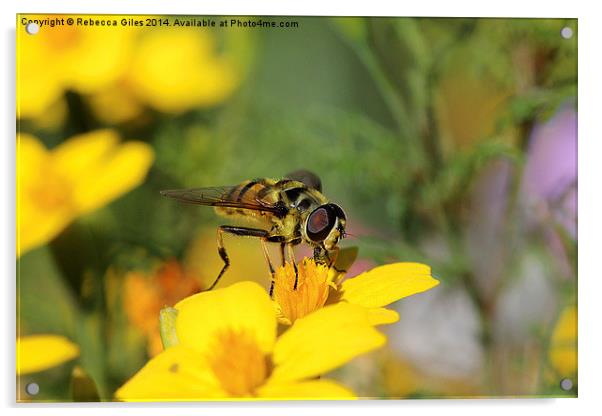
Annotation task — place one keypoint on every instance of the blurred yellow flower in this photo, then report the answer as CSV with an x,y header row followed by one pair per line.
x,y
41,352
228,347
83,58
117,103
80,175
201,260
318,286
175,78
145,296
468,107
398,376
121,69
563,344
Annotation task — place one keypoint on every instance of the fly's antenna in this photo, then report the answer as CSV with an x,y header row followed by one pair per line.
x,y
346,234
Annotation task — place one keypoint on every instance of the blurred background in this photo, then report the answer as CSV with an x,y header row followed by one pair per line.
x,y
451,142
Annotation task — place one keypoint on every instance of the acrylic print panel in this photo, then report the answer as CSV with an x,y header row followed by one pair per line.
x,y
407,188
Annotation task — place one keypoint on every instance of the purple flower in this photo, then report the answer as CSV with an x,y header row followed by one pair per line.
x,y
549,184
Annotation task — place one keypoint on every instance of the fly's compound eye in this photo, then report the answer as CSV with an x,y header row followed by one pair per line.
x,y
338,211
320,222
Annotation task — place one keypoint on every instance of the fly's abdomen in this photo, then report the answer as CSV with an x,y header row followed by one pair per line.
x,y
252,192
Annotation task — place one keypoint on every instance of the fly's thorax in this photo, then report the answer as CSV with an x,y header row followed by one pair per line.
x,y
299,200
299,197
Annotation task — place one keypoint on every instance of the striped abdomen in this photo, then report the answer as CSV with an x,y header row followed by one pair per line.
x,y
251,192
285,194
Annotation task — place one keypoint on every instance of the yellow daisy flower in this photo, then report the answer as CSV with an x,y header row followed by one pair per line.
x,y
227,347
80,175
41,352
319,286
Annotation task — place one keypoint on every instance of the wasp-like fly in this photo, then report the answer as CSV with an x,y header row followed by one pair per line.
x,y
288,211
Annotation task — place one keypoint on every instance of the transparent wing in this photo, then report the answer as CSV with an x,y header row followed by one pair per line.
x,y
219,196
307,177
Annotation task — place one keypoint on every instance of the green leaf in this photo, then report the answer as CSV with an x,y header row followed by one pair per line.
x,y
352,27
83,387
45,303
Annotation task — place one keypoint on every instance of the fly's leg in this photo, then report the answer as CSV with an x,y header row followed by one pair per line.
x,y
291,255
282,258
321,255
267,259
332,260
272,286
283,242
221,249
282,253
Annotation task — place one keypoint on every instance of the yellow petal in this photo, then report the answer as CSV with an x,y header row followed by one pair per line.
x,y
36,89
114,174
386,284
41,352
380,316
96,57
77,155
176,374
206,78
563,344
306,390
80,175
322,341
31,156
243,306
30,151
35,230
37,222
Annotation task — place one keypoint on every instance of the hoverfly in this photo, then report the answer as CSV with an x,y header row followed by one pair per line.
x,y
287,211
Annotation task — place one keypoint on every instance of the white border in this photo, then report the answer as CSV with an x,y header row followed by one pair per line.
x,y
590,207
507,8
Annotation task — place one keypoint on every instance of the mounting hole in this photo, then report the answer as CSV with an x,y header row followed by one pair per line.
x,y
566,384
566,32
32,389
32,28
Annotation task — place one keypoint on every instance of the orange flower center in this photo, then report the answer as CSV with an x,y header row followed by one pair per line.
x,y
313,287
238,363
